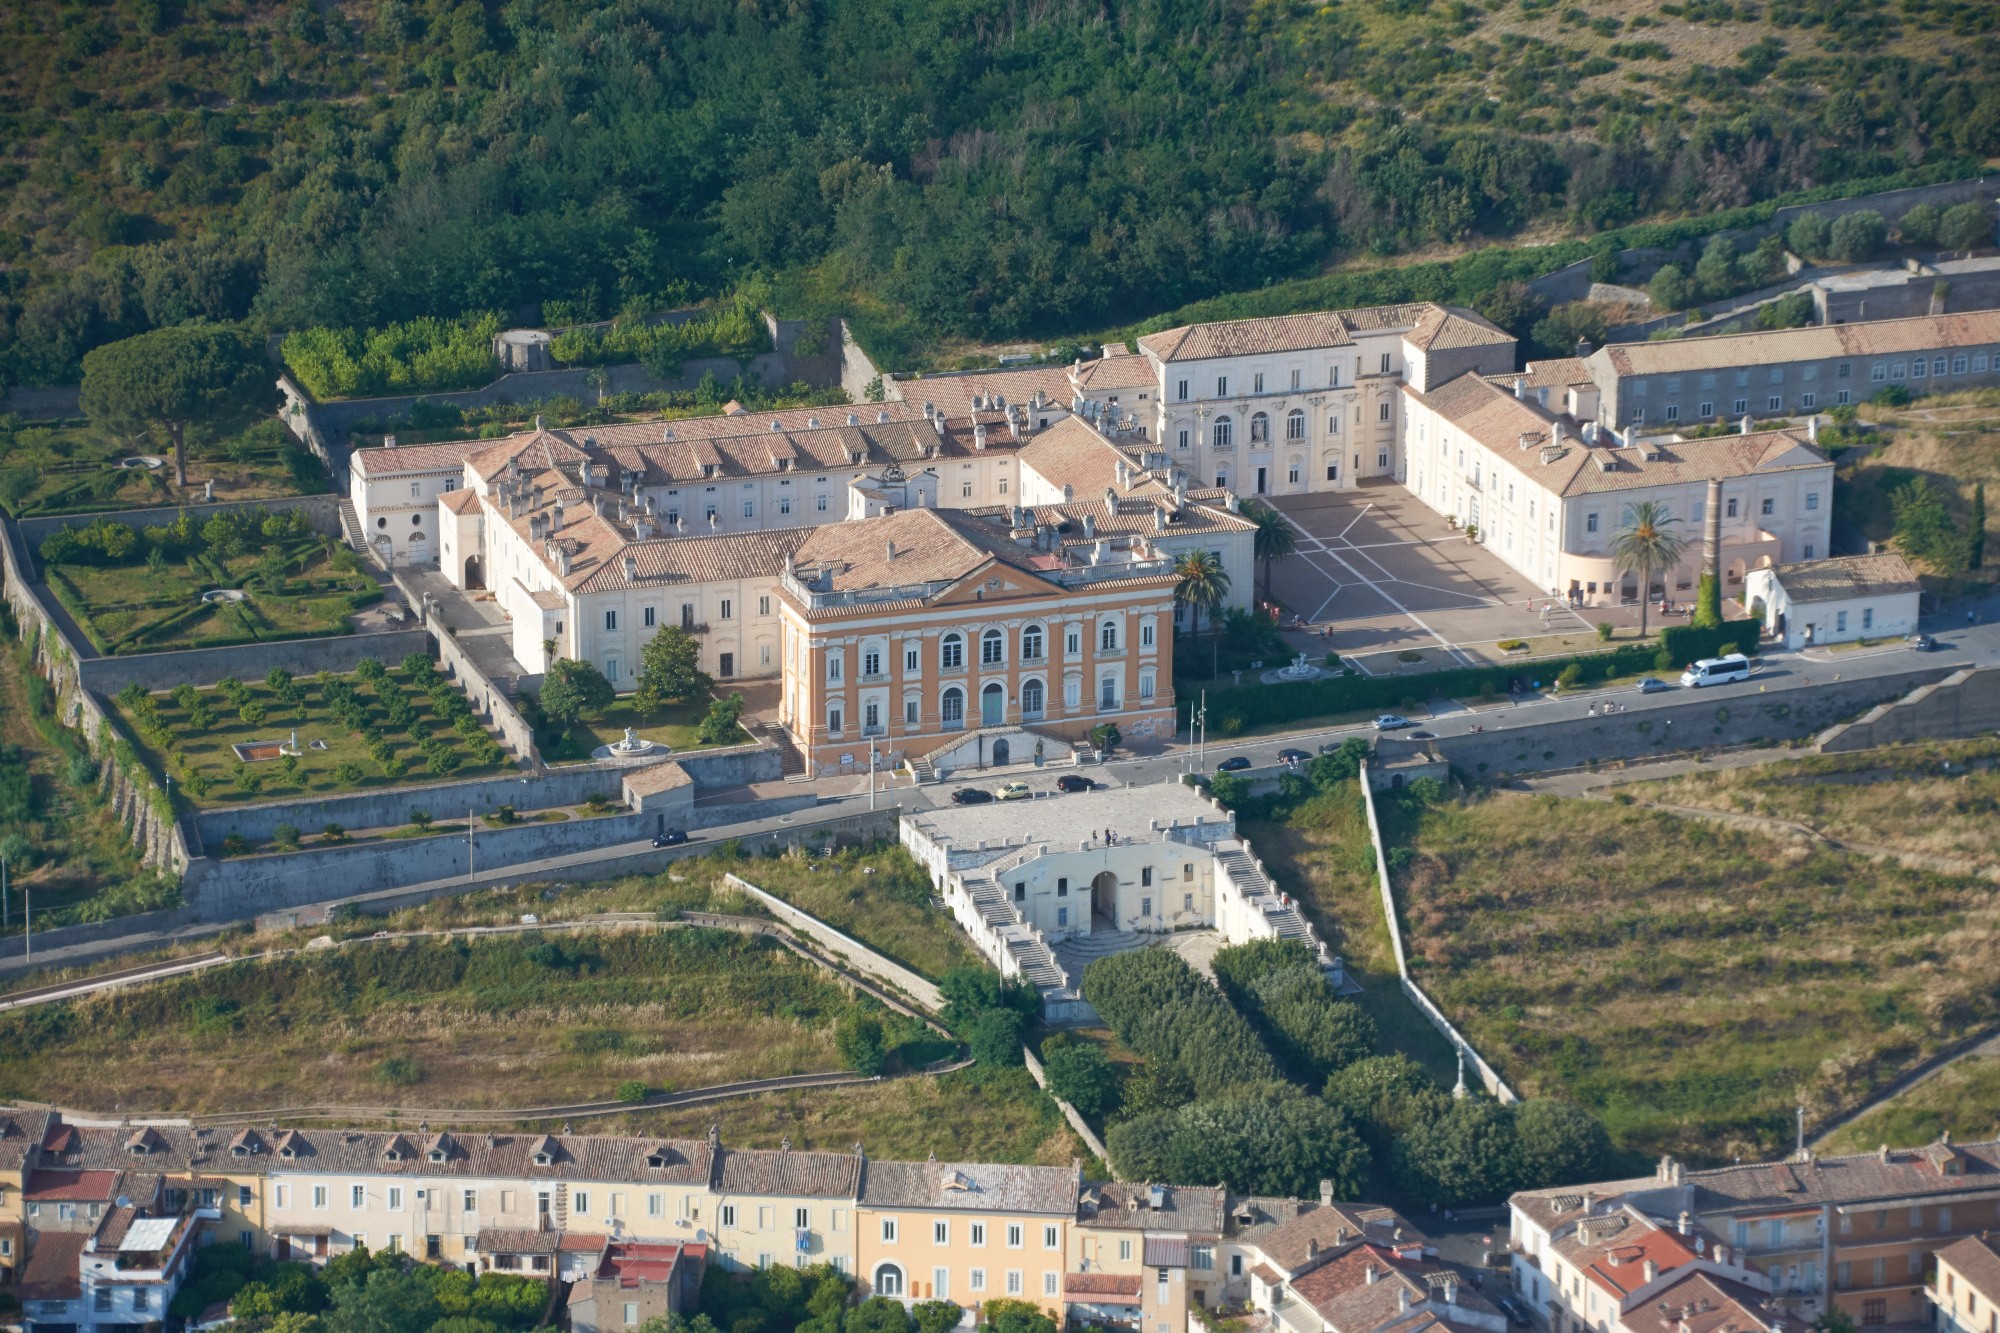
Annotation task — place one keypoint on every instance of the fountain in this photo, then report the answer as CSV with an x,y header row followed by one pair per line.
x,y
225,595
632,746
1300,669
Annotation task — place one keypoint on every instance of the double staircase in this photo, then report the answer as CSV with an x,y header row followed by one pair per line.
x,y
987,887
1261,893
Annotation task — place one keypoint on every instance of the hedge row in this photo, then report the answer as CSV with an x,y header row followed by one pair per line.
x,y
1279,984
1161,1008
1230,710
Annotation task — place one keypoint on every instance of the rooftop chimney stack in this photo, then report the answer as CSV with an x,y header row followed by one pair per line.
x,y
631,570
1326,1193
1743,426
892,548
1521,386
1812,428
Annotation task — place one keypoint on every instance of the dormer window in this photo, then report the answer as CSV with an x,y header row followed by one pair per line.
x,y
287,1153
240,1150
436,1154
138,1149
393,1155
543,1159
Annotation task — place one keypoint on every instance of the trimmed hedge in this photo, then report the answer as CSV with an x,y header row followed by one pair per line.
x,y
1253,704
1161,1008
1279,984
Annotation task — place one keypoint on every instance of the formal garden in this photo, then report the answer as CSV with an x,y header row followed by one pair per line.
x,y
577,712
240,576
287,737
77,467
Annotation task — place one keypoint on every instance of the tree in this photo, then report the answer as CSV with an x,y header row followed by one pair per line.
x,y
1964,226
1715,271
1857,236
1924,527
1560,1143
969,991
936,1316
1203,584
1512,306
1155,1085
994,1037
858,1038
1975,528
389,1300
1669,289
1707,603
1645,546
1919,226
720,725
1005,1316
1080,1074
573,688
1809,235
1274,539
194,376
878,1314
1268,1139
1468,1155
1105,736
1388,1096
670,670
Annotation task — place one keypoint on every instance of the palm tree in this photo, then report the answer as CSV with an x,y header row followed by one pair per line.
x,y
1275,539
1645,547
1203,583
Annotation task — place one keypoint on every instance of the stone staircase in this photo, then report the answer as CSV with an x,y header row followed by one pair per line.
x,y
351,531
1262,894
988,892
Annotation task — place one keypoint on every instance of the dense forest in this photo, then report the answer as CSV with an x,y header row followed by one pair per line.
x,y
975,169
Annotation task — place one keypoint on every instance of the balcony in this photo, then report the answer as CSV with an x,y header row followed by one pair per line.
x,y
694,626
874,678
1034,659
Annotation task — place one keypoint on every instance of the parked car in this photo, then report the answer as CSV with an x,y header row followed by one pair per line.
x,y
1716,671
1293,756
1074,782
673,837
1236,763
1013,791
1516,1312
971,796
1923,643
1652,685
1390,722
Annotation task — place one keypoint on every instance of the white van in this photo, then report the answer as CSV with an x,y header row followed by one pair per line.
x,y
1716,671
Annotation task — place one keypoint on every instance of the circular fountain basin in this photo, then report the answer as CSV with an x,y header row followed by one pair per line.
x,y
149,462
225,595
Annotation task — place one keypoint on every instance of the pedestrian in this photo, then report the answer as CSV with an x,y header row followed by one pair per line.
x,y
1593,710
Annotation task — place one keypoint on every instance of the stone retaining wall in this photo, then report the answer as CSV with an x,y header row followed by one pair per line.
x,y
250,661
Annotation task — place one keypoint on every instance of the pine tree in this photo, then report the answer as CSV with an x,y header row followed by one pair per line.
x,y
1975,535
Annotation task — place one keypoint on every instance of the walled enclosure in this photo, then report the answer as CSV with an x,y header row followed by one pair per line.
x,y
249,661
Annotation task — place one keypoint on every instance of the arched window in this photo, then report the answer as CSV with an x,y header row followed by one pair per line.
x,y
1260,428
1295,424
1031,699
1031,644
952,707
1107,635
888,1280
1224,433
992,648
951,652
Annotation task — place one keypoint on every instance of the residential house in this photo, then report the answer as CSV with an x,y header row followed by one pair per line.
x,y
968,1232
788,1206
1965,1290
1852,1233
395,492
1550,499
1836,601
1372,1288
1142,1253
633,1282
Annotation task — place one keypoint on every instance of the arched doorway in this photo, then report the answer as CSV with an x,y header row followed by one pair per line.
x,y
1104,901
1001,753
951,707
888,1280
474,576
993,704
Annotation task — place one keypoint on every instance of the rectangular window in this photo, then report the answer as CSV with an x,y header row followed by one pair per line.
x,y
784,504
940,1284
1256,384
1590,522
888,1231
357,1196
1673,412
656,1206
1222,386
1181,392
1812,500
647,616
611,620
1295,380
395,1198
1729,509
1050,1285
979,1234
910,708
1843,398
1013,1282
819,503
1707,411
1014,1234
1775,403
1770,506
1051,1238
728,1215
1740,406
1184,439
940,1233
581,1203
976,1279
1868,623
1382,412
1840,622
1385,363
470,1201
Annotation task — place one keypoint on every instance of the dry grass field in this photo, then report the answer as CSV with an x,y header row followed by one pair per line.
x,y
1937,798
1963,1098
1690,983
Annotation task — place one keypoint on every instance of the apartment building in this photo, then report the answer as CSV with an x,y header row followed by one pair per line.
x,y
1372,1287
1965,1290
932,630
1549,497
1306,403
1791,372
1141,1253
786,1207
395,492
1848,1233
968,1232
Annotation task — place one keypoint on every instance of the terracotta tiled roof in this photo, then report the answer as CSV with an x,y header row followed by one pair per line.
x,y
978,1186
953,394
828,1175
1102,1288
1553,374
1345,1297
1883,337
1102,376
509,1240
931,546
52,1272
658,778
1701,1303
460,500
1072,453
1249,337
598,563
1321,1230
1846,577
576,1157
1977,1261
71,1186
1128,1206
405,459
1444,328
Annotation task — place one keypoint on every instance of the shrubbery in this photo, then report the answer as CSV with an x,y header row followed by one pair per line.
x,y
1268,1139
730,328
1279,983
416,356
1163,1009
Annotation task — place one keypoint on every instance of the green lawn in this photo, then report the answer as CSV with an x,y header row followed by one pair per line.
x,y
418,744
1689,983
70,467
300,587
672,725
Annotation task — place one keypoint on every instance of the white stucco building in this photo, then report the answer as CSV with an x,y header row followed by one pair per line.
x,y
1836,601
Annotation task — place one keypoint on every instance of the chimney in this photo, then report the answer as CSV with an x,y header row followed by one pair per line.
x,y
892,548
1451,1291
1369,1274
1159,519
938,422
1521,386
562,560
881,416
1650,1269
1090,525
1556,433
1743,426
1812,428
978,436
1312,1247
1326,1193
388,442
631,570
1686,1227
1402,1298
1111,500
556,517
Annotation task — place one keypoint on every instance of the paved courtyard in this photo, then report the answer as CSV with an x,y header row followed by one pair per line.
x,y
1377,571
